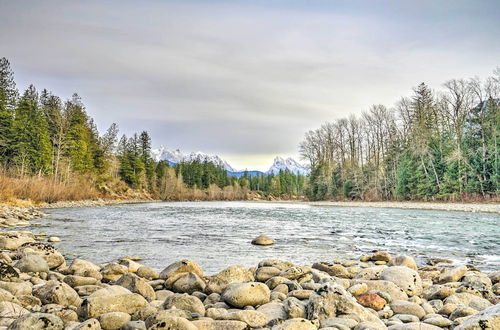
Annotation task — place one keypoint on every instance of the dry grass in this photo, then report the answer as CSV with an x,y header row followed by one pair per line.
x,y
34,190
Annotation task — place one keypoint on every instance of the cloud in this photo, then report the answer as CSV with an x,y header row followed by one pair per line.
x,y
239,78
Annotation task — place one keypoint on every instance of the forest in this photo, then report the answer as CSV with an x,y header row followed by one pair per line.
x,y
51,150
432,145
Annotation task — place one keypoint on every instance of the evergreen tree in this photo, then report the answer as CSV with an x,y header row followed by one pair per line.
x,y
8,99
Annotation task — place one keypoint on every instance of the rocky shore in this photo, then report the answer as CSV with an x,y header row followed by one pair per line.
x,y
39,289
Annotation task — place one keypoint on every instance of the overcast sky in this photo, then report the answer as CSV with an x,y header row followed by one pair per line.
x,y
243,79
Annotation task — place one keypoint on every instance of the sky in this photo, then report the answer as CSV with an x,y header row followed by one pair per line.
x,y
243,79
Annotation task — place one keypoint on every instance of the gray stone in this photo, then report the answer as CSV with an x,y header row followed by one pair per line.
x,y
37,321
32,263
407,279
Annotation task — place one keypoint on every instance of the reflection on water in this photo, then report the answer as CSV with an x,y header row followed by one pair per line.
x,y
218,234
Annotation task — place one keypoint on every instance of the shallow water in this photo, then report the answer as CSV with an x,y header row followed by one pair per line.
x,y
218,234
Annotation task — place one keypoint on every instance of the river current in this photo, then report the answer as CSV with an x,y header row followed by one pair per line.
x,y
218,234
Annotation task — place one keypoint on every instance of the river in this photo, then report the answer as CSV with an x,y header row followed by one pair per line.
x,y
218,234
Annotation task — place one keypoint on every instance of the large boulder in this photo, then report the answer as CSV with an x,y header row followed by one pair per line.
x,y
233,274
246,294
138,285
407,279
53,257
331,300
469,300
54,292
183,266
37,321
189,283
9,312
32,263
452,275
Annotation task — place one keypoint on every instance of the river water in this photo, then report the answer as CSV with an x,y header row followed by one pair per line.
x,y
218,234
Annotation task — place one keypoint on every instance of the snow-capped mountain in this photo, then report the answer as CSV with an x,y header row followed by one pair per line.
x,y
176,157
290,164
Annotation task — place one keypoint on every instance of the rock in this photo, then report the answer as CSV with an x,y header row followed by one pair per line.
x,y
370,326
54,239
488,318
407,279
113,320
75,280
138,285
254,319
32,263
395,292
147,273
371,300
173,322
452,275
380,256
37,321
332,269
189,283
438,321
273,311
90,324
84,268
183,266
16,288
495,277
132,266
8,273
331,300
406,307
372,273
414,326
295,324
263,240
277,263
233,274
404,261
53,257
105,301
262,274
113,271
295,272
335,322
246,294
294,308
65,313
462,311
437,291
406,318
10,311
468,300
184,302
54,292
155,317
134,325
13,240
358,289
219,325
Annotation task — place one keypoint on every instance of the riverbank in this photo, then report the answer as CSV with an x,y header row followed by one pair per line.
x,y
376,291
461,207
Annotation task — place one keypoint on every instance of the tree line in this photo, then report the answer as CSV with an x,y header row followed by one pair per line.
x,y
42,135
431,145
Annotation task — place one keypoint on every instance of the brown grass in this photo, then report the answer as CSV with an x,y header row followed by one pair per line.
x,y
38,189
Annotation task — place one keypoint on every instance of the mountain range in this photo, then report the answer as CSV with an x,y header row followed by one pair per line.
x,y
176,156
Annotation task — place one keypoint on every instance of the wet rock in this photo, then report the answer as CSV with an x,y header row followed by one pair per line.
x,y
37,321
113,320
53,257
184,302
331,300
263,240
246,294
371,300
404,277
54,292
138,285
233,274
183,266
